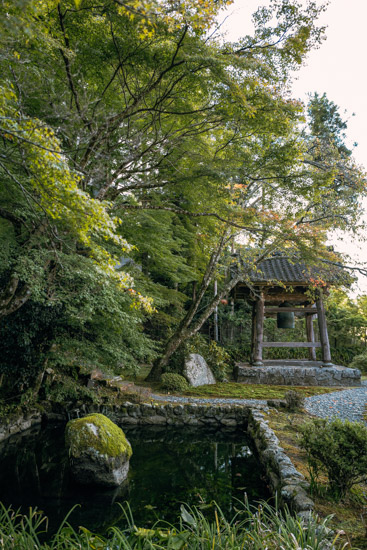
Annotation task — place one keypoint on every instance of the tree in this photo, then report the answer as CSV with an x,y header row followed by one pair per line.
x,y
120,120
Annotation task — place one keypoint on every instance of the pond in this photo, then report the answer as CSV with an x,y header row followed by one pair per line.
x,y
169,466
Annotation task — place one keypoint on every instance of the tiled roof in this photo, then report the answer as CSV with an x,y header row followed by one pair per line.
x,y
286,270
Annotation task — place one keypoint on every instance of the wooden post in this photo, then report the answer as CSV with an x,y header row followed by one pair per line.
x,y
253,332
231,334
310,336
324,338
258,351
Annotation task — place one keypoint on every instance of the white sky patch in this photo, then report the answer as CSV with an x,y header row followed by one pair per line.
x,y
337,68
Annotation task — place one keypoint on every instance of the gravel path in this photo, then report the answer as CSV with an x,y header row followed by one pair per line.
x,y
347,404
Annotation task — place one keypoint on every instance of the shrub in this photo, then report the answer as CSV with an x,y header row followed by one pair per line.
x,y
66,388
171,381
218,360
338,449
217,357
360,362
294,401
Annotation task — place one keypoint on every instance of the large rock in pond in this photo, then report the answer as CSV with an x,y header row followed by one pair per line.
x,y
197,372
99,451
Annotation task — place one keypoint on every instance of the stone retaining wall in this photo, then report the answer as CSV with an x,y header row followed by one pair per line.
x,y
281,473
180,415
285,480
299,376
14,425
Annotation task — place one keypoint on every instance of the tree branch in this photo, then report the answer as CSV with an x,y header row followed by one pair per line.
x,y
192,214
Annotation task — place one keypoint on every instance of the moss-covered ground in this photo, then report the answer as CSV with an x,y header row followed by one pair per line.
x,y
253,391
349,514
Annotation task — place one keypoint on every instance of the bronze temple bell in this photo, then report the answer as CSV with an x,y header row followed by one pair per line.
x,y
286,319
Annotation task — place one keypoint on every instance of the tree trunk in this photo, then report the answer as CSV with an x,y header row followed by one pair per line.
x,y
186,331
216,327
324,338
13,297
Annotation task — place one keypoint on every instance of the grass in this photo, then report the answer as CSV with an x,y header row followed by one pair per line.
x,y
253,391
262,528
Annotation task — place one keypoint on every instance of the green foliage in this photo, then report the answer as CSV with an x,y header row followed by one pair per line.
x,y
264,528
294,401
126,131
326,122
91,324
172,381
218,360
65,389
216,356
360,362
347,322
26,339
338,449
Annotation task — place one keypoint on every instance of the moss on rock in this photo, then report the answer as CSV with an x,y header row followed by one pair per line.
x,y
97,433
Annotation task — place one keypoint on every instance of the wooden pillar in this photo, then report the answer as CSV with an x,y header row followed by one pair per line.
x,y
324,338
259,323
310,336
253,332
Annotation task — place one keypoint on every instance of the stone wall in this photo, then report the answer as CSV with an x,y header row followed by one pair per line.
x,y
142,414
285,480
17,424
299,376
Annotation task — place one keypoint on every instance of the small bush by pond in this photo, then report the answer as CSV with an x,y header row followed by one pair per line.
x,y
253,529
294,401
338,449
172,381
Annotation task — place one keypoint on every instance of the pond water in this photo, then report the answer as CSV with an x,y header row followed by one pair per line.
x,y
169,466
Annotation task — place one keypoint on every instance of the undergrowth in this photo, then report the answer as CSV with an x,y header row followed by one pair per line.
x,y
349,513
259,528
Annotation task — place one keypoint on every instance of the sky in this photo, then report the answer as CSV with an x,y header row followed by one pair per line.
x,y
338,68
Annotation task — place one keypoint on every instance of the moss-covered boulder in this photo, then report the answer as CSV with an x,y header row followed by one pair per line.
x,y
99,451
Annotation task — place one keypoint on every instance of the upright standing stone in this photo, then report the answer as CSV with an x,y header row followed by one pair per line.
x,y
197,372
99,451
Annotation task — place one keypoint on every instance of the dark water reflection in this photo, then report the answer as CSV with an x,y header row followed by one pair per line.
x,y
169,466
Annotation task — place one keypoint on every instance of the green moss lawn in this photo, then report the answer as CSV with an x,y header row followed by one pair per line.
x,y
256,391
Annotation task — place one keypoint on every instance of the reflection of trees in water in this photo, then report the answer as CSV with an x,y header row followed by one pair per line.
x,y
202,467
35,472
169,466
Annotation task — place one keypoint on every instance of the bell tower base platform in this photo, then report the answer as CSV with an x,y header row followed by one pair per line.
x,y
296,373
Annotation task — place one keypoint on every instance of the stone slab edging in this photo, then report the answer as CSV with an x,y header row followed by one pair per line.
x,y
284,478
282,475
